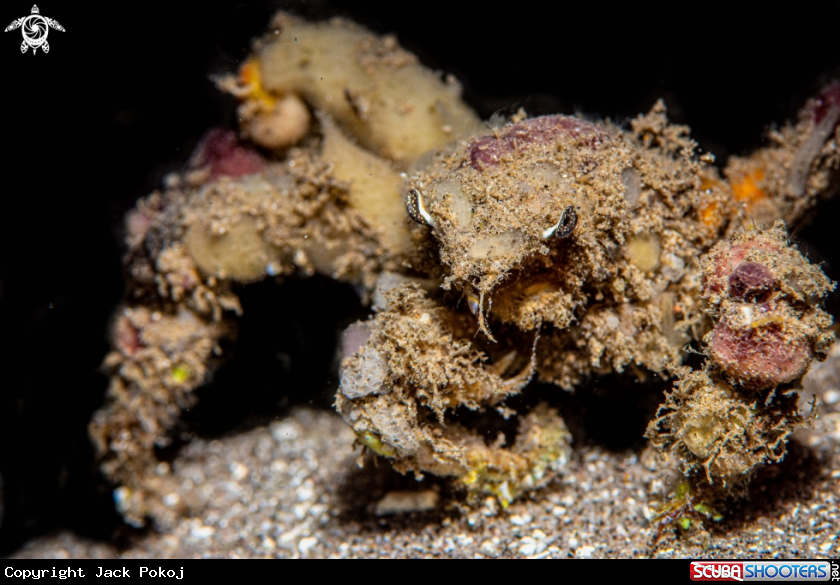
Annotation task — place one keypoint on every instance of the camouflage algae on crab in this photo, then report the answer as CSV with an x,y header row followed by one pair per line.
x,y
550,248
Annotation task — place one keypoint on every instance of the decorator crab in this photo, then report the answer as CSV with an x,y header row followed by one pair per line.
x,y
549,248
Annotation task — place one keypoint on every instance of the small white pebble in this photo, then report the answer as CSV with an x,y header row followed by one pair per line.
x,y
171,499
288,537
305,492
832,421
464,540
272,269
826,546
300,511
584,552
238,471
490,508
831,396
558,511
268,543
201,531
403,502
307,543
285,431
121,495
278,466
521,520
527,546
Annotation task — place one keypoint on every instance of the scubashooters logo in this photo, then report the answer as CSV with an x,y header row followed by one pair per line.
x,y
35,29
764,571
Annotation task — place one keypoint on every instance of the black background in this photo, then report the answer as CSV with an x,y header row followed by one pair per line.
x,y
124,95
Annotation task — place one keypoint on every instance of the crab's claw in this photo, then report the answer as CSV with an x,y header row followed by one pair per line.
x,y
23,47
46,47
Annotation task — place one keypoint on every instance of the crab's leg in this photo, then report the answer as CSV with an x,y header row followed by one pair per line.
x,y
787,178
158,360
411,360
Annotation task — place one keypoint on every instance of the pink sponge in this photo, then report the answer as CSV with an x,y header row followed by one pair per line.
x,y
225,155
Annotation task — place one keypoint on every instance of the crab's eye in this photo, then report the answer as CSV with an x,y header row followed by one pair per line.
x,y
565,226
472,302
567,222
416,208
412,207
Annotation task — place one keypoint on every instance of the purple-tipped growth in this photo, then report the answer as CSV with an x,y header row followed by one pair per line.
x,y
828,99
750,280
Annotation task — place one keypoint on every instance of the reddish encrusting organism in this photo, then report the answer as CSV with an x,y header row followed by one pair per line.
x,y
827,100
750,280
767,331
731,416
488,151
225,155
126,337
718,281
758,357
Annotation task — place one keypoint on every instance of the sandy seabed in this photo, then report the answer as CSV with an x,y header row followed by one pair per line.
x,y
294,489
